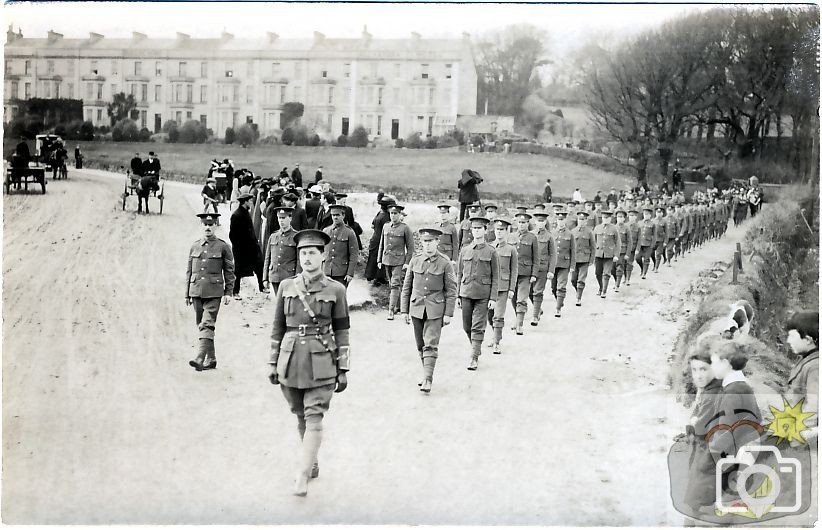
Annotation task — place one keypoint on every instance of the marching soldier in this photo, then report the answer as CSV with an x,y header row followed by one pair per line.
x,y
478,279
209,277
623,254
591,219
449,240
508,262
491,215
566,258
310,348
429,294
682,221
585,253
633,245
342,252
546,263
660,236
281,251
527,261
396,249
465,236
672,232
608,246
647,240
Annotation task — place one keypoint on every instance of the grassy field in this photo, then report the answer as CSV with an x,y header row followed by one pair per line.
x,y
423,171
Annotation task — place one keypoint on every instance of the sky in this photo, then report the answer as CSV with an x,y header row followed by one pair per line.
x,y
566,25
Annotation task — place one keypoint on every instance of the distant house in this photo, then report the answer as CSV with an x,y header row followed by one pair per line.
x,y
486,126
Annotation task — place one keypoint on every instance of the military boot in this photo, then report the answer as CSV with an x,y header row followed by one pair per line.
x,y
310,448
202,351
579,298
476,351
429,363
210,362
604,287
537,312
520,322
497,339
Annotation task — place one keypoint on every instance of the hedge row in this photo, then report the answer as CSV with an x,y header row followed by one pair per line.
x,y
588,158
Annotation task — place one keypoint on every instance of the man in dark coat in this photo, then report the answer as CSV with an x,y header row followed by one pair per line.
x,y
547,193
324,217
312,205
297,177
349,217
372,272
137,165
248,258
318,176
299,219
152,165
469,192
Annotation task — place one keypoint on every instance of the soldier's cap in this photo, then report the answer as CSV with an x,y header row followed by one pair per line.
x,y
312,238
583,212
444,206
558,206
503,220
660,209
429,233
244,197
211,179
479,219
561,212
337,207
490,206
539,205
341,195
475,205
588,202
212,216
671,206
396,208
606,212
541,215
647,209
284,210
633,210
522,209
621,211
523,215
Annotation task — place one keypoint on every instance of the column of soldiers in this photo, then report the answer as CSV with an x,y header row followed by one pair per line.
x,y
479,268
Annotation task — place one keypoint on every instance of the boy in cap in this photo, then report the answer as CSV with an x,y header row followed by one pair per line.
x,y
545,265
449,244
478,279
508,272
465,234
566,258
210,196
310,348
429,294
527,261
647,240
624,252
585,253
609,246
342,251
395,251
803,381
280,251
209,278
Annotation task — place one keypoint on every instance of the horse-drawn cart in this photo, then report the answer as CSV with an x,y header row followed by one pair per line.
x,y
143,187
23,176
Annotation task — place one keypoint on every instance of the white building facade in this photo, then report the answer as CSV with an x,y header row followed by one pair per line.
x,y
392,87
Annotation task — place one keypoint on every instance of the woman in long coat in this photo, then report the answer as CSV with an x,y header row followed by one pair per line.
x,y
372,272
248,258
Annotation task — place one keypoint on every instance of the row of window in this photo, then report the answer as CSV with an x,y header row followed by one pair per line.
x,y
276,69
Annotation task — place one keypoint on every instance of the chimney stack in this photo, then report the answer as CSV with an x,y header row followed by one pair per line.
x,y
415,37
10,34
226,36
136,36
318,38
94,37
366,37
54,36
182,38
272,37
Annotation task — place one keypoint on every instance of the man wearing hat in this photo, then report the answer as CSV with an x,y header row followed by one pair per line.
x,y
465,234
660,236
210,196
478,279
349,217
152,165
547,192
609,244
682,223
527,262
244,243
633,245
672,233
372,270
318,175
623,254
545,264
280,251
137,165
429,294
310,348
508,272
566,258
585,253
209,278
395,252
491,215
449,239
342,252
297,177
647,240
312,205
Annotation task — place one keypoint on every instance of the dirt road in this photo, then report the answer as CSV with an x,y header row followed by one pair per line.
x,y
105,422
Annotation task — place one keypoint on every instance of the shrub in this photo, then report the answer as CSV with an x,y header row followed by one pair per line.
x,y
359,138
300,135
173,135
342,140
314,141
291,112
246,134
399,143
229,135
413,141
458,135
288,136
168,125
87,131
60,130
193,132
447,141
125,130
431,142
477,140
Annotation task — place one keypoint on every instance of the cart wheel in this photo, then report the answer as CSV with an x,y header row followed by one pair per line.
x,y
162,196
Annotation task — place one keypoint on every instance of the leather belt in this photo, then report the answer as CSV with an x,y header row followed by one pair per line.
x,y
304,329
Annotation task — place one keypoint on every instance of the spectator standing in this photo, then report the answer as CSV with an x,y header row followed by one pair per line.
x,y
297,177
547,193
469,189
